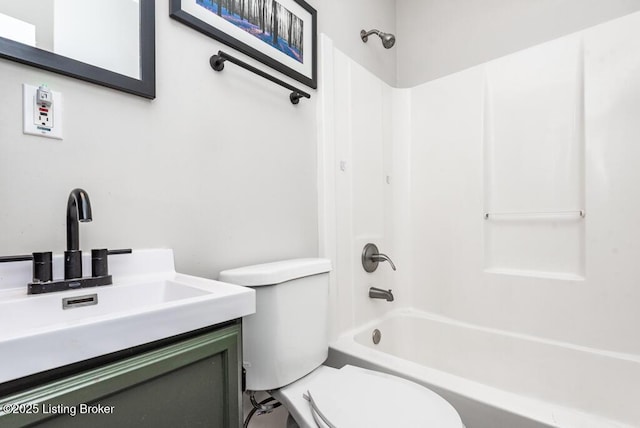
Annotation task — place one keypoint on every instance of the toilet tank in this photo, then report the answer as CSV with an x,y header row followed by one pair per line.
x,y
287,337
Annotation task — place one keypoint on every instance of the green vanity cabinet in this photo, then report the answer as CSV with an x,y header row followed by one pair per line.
x,y
195,382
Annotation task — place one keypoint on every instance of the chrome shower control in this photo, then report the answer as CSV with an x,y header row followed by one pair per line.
x,y
371,257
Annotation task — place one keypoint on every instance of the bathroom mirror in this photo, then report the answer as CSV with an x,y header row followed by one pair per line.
x,y
107,42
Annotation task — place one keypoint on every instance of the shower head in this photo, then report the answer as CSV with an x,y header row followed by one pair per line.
x,y
388,39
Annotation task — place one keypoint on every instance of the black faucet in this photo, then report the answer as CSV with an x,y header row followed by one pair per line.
x,y
78,209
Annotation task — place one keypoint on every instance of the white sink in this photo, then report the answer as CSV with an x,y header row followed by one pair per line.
x,y
148,301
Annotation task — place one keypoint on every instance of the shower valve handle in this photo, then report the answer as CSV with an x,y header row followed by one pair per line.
x,y
371,257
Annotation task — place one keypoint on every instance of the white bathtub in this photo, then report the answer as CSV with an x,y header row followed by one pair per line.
x,y
500,379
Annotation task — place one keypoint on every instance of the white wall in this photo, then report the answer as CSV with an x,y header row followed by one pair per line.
x,y
437,37
574,148
219,167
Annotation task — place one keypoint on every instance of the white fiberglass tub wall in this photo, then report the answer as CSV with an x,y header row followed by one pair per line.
x,y
356,200
550,129
576,104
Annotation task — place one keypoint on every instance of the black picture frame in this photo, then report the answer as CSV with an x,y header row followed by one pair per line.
x,y
177,12
144,87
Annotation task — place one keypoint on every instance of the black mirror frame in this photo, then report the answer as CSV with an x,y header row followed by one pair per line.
x,y
144,87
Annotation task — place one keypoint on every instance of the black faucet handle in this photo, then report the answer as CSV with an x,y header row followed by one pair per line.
x,y
120,251
43,267
99,264
42,264
11,259
99,260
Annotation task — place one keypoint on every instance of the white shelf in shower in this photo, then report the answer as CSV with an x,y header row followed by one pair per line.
x,y
535,214
562,276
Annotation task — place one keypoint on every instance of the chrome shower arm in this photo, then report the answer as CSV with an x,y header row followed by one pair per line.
x,y
364,35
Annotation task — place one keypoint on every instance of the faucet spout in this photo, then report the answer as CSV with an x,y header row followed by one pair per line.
x,y
78,209
378,293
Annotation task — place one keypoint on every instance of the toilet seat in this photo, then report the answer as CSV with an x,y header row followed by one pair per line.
x,y
353,397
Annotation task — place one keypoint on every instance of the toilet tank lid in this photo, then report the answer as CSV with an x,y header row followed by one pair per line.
x,y
275,273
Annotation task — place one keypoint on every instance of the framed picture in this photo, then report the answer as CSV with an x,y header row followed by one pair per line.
x,y
278,33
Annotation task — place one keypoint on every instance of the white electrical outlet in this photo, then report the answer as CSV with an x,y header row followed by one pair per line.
x,y
42,111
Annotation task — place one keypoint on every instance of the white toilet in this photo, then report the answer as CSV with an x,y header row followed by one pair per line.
x,y
286,341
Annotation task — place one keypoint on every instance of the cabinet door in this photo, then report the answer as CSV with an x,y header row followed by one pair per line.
x,y
188,384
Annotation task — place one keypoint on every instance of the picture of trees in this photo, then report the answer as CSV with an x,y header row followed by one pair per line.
x,y
267,20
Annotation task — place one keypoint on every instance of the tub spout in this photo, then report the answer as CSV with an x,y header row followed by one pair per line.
x,y
378,293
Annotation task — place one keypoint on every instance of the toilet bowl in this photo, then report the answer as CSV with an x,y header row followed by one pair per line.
x,y
286,341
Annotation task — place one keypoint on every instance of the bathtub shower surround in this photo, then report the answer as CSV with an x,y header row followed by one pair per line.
x,y
506,194
557,275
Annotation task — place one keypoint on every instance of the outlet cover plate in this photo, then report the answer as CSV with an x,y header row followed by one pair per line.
x,y
28,113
